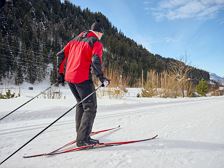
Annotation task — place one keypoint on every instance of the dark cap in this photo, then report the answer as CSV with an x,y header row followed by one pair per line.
x,y
96,26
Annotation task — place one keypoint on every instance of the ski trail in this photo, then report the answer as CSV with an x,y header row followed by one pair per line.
x,y
190,135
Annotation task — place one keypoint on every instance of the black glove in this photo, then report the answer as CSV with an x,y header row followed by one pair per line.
x,y
61,79
105,82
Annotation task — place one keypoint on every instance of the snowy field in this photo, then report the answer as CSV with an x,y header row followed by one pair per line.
x,y
191,132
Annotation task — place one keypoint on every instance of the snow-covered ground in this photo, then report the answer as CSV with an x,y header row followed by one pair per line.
x,y
191,132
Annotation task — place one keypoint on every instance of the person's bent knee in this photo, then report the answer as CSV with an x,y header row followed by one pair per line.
x,y
89,106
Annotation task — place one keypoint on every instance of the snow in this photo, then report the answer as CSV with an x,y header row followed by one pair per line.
x,y
217,78
190,132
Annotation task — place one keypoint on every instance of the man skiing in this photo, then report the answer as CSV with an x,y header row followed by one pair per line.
x,y
75,62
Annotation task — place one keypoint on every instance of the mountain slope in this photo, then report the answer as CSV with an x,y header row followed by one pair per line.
x,y
32,32
217,78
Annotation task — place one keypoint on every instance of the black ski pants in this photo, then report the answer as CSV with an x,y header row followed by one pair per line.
x,y
85,111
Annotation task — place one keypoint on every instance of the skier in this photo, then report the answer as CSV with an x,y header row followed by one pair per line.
x,y
80,55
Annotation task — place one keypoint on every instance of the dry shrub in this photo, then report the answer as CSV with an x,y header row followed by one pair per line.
x,y
117,87
166,85
169,85
150,86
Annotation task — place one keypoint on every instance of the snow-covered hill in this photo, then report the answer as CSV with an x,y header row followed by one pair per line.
x,y
217,78
190,133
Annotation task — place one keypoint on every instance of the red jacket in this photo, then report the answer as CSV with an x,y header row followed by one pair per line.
x,y
77,56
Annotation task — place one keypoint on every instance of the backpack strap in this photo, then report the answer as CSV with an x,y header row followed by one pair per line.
x,y
89,40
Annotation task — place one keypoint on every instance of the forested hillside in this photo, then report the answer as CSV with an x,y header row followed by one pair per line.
x,y
32,32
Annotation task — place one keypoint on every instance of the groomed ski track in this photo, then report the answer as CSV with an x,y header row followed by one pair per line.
x,y
190,133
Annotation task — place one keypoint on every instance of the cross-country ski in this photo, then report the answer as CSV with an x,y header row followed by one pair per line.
x,y
73,142
88,147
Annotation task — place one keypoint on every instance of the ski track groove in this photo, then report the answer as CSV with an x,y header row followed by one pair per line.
x,y
180,143
134,109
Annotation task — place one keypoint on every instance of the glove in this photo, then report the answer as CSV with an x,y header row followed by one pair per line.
x,y
61,78
105,82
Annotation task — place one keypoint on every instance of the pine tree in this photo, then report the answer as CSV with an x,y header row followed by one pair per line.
x,y
42,28
202,87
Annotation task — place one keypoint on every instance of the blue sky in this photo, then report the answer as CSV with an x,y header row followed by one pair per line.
x,y
189,29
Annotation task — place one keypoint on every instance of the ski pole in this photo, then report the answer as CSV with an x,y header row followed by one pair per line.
x,y
26,102
50,125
